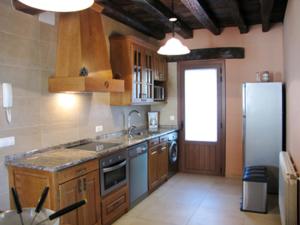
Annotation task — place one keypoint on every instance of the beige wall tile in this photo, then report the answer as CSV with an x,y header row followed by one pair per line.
x,y
26,82
18,23
19,51
25,113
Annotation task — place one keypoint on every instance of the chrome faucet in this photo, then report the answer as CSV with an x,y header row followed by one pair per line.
x,y
129,126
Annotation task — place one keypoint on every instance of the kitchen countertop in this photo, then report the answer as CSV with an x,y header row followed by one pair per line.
x,y
63,156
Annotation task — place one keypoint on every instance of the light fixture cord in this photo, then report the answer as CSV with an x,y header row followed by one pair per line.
x,y
173,25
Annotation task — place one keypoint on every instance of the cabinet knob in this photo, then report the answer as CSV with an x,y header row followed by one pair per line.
x,y
106,84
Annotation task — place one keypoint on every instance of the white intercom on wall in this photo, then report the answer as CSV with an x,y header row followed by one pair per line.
x,y
7,100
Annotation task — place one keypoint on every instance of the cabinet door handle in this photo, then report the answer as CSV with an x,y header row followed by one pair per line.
x,y
79,186
153,153
163,148
81,171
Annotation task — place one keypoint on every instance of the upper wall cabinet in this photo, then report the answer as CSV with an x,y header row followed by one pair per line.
x,y
137,63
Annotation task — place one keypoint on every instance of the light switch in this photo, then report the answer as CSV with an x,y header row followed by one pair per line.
x,y
99,128
7,141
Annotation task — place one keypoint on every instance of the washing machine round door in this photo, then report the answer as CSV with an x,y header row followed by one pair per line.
x,y
173,152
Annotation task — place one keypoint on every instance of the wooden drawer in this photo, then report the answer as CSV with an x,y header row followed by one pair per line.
x,y
153,142
115,205
77,171
164,138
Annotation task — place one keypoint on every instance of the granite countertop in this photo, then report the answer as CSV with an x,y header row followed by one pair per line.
x,y
63,156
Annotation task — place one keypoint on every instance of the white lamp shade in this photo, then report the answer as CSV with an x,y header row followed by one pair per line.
x,y
59,5
173,47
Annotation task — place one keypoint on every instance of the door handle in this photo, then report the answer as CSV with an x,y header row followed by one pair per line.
x,y
110,169
153,153
163,149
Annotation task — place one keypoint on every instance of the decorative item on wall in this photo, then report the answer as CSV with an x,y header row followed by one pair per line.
x,y
263,76
173,46
153,121
59,5
7,100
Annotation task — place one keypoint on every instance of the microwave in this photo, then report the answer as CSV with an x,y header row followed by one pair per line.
x,y
159,93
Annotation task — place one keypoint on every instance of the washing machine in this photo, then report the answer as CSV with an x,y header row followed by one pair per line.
x,y
173,154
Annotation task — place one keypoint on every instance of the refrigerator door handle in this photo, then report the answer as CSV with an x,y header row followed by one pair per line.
x,y
244,100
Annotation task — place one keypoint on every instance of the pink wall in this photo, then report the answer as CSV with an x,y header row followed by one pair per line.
x,y
292,78
263,51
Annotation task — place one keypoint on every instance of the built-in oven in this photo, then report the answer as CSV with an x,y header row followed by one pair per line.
x,y
113,172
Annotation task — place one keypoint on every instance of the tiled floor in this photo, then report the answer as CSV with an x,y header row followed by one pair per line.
x,y
188,199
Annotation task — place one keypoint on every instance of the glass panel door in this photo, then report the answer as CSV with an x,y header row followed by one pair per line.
x,y
201,104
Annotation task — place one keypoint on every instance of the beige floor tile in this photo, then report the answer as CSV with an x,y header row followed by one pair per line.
x,y
262,219
164,212
222,202
212,217
136,221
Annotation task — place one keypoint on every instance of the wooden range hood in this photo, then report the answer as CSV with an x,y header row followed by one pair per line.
x,y
82,63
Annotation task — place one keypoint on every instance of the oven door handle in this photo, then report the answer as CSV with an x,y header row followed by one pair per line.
x,y
109,169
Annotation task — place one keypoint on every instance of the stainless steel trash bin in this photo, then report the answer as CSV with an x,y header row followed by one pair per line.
x,y
255,186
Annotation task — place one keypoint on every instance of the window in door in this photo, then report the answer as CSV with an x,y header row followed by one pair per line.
x,y
201,104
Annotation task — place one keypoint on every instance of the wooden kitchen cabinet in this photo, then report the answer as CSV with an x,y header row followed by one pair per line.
x,y
136,62
66,187
115,205
157,165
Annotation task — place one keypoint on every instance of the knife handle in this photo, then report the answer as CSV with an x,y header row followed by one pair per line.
x,y
67,209
42,200
16,200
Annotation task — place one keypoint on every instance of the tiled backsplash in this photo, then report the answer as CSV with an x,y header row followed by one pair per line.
x,y
40,119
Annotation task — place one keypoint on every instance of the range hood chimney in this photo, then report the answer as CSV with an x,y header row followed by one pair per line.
x,y
82,63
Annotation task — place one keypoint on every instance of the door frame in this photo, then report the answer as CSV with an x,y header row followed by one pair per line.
x,y
180,108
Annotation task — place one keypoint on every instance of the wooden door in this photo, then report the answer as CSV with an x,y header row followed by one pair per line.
x,y
163,162
90,213
69,193
202,116
153,179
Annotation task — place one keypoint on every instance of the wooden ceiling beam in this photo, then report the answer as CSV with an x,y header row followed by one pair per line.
x,y
122,16
202,15
237,15
164,13
266,7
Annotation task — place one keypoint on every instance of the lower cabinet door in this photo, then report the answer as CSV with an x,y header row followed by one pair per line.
x,y
115,205
153,179
68,194
90,213
84,187
163,162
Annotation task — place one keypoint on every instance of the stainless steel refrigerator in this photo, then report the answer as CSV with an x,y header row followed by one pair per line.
x,y
263,127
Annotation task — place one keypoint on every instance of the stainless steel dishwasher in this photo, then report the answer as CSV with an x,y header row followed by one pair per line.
x,y
138,175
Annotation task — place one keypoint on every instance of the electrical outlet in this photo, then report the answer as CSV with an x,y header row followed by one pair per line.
x,y
7,141
99,128
172,117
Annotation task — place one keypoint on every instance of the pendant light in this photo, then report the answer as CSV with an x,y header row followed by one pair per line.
x,y
173,46
59,5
